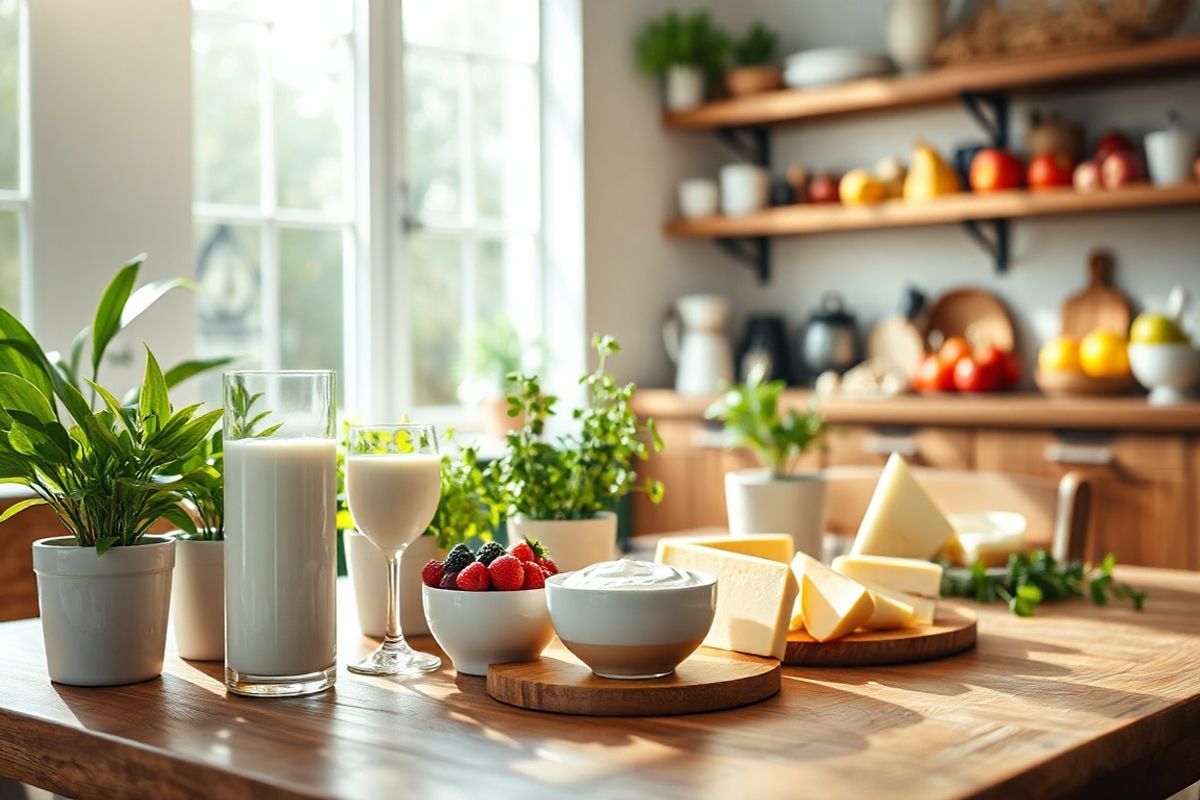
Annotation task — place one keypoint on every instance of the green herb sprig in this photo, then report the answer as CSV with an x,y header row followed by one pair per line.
x,y
693,40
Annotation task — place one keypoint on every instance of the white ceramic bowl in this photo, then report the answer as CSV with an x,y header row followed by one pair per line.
x,y
480,628
1169,371
827,65
632,633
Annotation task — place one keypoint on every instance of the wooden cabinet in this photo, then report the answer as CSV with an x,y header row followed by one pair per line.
x,y
943,448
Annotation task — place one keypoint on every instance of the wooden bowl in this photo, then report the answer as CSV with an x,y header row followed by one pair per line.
x,y
976,315
752,80
1074,384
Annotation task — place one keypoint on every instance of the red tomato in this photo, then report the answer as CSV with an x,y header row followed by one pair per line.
x,y
993,363
971,377
1050,169
953,350
1111,142
934,375
994,169
1012,370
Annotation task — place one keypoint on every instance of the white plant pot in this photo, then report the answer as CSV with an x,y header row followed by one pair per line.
x,y
759,503
914,28
685,87
104,619
198,599
368,575
572,543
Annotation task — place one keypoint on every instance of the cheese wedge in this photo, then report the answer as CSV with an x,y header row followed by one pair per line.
x,y
990,537
831,605
901,519
755,596
911,575
924,608
771,546
889,614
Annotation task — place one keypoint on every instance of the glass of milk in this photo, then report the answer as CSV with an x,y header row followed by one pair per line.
x,y
280,451
393,484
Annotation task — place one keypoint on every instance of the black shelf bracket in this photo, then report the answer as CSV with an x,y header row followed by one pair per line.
x,y
995,245
752,144
754,252
990,110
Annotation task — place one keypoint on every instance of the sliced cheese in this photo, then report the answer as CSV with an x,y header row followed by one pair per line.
x,y
924,608
901,519
755,596
831,605
890,614
912,575
771,546
990,537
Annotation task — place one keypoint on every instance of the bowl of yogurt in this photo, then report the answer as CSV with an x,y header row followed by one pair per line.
x,y
631,619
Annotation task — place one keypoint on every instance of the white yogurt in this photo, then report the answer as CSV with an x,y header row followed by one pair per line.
x,y
628,574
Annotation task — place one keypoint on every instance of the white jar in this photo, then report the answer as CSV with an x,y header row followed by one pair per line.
x,y
914,28
1170,153
744,189
685,87
698,198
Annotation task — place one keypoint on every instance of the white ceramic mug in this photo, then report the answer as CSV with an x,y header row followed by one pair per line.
x,y
1169,155
744,189
698,198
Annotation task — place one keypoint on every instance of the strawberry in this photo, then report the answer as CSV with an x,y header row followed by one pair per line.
x,y
535,576
522,550
474,578
449,580
547,563
431,573
507,573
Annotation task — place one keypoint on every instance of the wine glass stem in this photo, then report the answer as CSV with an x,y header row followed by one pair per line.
x,y
393,634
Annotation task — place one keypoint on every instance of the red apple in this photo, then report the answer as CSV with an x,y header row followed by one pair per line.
x,y
994,169
1048,170
823,189
934,375
953,350
1121,169
1012,370
1087,177
992,363
969,376
1111,142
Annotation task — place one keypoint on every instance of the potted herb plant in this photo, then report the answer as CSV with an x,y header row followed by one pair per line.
x,y
686,52
753,57
498,353
563,492
104,589
774,499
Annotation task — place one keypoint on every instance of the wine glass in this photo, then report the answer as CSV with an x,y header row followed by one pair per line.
x,y
393,484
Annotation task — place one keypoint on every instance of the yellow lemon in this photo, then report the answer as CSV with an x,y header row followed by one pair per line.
x,y
860,188
1103,354
1060,354
1151,328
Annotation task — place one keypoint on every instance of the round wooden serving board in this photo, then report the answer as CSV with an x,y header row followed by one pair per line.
x,y
709,680
952,631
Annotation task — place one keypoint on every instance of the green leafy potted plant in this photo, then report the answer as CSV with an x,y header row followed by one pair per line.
x,y
774,499
564,491
497,353
104,589
754,69
687,52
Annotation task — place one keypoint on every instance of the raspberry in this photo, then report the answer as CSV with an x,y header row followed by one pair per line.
x,y
474,578
449,580
431,573
535,576
457,559
489,553
547,563
523,550
507,573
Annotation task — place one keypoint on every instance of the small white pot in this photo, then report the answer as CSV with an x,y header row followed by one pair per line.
x,y
1169,155
480,628
685,87
744,189
198,599
698,198
759,503
104,619
572,543
914,28
368,575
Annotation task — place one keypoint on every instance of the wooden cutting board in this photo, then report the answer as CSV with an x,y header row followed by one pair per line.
x,y
952,632
709,680
1098,307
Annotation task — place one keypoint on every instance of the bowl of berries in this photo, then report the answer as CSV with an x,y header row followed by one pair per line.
x,y
489,607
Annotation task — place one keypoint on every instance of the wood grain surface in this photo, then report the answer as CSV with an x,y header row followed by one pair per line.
x,y
1100,306
709,680
1043,707
953,631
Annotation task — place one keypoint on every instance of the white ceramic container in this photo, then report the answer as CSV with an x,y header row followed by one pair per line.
x,y
368,576
914,28
698,198
758,503
198,599
572,543
684,87
480,628
104,619
1170,154
1169,371
744,189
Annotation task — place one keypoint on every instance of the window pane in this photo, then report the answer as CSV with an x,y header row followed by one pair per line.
x,y
10,261
312,104
310,302
506,283
440,23
225,82
10,99
229,301
507,28
506,143
432,129
327,15
435,285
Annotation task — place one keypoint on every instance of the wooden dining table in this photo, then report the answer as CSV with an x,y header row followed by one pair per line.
x,y
1077,700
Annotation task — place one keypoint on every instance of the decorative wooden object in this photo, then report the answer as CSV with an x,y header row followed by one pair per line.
x,y
952,632
974,314
1076,384
1099,306
709,680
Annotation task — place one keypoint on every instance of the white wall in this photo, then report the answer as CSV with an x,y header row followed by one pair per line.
x,y
111,165
633,167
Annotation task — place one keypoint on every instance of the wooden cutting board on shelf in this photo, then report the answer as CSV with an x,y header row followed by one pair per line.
x,y
953,631
1098,307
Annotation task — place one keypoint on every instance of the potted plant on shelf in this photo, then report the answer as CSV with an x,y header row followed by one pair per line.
x,y
753,57
104,589
497,354
773,499
685,52
563,492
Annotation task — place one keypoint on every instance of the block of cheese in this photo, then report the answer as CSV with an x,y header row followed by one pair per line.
x,y
901,519
990,537
889,614
831,605
912,575
755,596
771,546
924,608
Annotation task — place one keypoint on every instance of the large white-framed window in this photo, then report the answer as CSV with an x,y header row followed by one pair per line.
x,y
15,286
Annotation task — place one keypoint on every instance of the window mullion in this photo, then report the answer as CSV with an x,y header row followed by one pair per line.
x,y
272,351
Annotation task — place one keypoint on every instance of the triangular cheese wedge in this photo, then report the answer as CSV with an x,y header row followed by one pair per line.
x,y
831,605
912,575
771,546
901,519
924,608
889,614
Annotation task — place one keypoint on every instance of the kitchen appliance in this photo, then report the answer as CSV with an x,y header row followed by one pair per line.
x,y
765,342
829,340
694,335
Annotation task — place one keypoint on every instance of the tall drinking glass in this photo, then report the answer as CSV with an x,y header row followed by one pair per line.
x,y
280,449
393,484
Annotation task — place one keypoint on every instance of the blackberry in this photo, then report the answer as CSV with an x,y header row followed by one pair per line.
x,y
489,553
457,559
